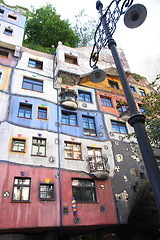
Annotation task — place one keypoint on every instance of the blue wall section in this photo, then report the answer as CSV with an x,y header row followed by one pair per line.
x,y
49,124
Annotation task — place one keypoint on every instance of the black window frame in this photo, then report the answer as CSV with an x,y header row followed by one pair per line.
x,y
68,114
81,190
20,141
142,92
35,64
53,196
8,31
113,84
12,17
1,12
133,88
25,107
39,144
33,84
119,124
89,131
21,186
84,95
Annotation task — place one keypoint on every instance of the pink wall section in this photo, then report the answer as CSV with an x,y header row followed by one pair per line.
x,y
88,213
35,213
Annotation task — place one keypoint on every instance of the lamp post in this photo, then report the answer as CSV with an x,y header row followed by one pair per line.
x,y
134,17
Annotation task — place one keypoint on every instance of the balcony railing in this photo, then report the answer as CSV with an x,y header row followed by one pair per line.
x,y
98,166
123,110
68,99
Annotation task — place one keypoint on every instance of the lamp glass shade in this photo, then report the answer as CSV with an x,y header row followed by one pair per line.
x,y
97,75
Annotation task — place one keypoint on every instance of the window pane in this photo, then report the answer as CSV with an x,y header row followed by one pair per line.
x,y
115,128
32,63
25,193
108,101
21,113
38,88
123,129
27,85
73,120
42,151
16,193
103,101
42,113
65,119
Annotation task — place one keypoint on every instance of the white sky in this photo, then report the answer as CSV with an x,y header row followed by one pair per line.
x,y
141,45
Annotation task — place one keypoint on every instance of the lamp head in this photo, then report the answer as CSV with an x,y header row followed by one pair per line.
x,y
135,16
97,75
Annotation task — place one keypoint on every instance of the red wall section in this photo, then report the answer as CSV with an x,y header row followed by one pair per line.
x,y
88,213
35,213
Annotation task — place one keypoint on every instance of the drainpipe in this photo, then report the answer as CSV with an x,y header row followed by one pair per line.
x,y
59,165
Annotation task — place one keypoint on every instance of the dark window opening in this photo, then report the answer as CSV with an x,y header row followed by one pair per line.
x,y
113,84
83,190
3,53
35,64
12,17
8,31
71,59
46,192
25,110
142,92
1,11
42,113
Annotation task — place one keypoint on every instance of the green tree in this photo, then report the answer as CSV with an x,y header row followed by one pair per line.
x,y
44,28
84,29
152,112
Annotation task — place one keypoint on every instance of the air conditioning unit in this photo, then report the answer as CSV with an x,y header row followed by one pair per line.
x,y
17,51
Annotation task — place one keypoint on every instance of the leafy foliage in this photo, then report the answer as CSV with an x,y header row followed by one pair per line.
x,y
137,77
44,28
84,29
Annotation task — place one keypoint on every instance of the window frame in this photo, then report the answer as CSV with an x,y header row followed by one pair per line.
x,y
68,114
53,198
70,57
111,83
4,55
96,168
133,88
33,83
106,103
38,146
35,64
25,109
1,12
8,31
12,16
82,188
20,140
84,98
72,150
119,124
89,129
142,92
44,109
21,186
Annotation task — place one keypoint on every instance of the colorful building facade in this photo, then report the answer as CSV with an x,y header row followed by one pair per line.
x,y
67,166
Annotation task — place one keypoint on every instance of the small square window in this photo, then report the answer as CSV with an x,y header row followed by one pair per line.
x,y
69,118
106,102
72,151
119,127
35,64
141,108
71,59
25,110
8,31
142,92
113,84
38,146
1,12
42,113
133,89
84,96
3,53
18,145
46,192
21,189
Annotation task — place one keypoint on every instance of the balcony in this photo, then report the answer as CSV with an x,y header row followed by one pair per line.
x,y
68,99
123,110
98,166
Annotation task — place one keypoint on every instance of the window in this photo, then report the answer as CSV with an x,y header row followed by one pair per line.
x,y
106,102
1,12
3,53
69,118
89,126
95,159
71,59
72,151
21,189
121,107
12,16
46,191
113,84
84,96
42,113
39,146
142,92
119,127
18,145
35,64
133,89
8,31
25,110
32,84
83,190
141,108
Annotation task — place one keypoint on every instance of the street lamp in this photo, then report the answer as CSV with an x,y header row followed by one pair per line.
x,y
134,17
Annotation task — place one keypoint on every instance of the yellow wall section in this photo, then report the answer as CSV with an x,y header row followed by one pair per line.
x,y
4,84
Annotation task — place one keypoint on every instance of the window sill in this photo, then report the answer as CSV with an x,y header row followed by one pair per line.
x,y
85,101
17,151
121,133
20,201
70,125
23,117
35,68
42,119
32,90
38,155
74,159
